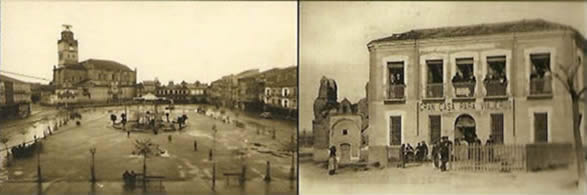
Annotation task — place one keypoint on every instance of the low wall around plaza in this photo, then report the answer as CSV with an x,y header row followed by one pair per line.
x,y
548,155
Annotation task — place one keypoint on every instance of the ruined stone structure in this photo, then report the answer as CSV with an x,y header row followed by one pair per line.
x,y
340,125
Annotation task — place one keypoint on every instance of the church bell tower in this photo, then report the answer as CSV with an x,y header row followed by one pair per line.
x,y
67,47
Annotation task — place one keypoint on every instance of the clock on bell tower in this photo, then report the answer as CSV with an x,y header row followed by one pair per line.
x,y
67,47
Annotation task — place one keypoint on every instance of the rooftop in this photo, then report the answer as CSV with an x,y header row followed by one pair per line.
x,y
533,25
98,64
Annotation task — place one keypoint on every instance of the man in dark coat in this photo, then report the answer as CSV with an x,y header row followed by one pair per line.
x,y
445,147
402,155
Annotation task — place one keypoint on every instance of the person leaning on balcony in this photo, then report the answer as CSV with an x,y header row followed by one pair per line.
x,y
547,80
458,77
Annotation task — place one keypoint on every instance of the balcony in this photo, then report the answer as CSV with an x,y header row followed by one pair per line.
x,y
396,92
464,89
496,88
540,87
435,90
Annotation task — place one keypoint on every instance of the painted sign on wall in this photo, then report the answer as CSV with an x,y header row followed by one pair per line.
x,y
464,106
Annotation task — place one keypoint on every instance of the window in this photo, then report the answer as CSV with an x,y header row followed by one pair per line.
x,y
465,72
435,80
540,75
495,80
285,92
395,130
345,132
435,126
497,128
435,71
396,73
285,103
540,127
540,65
396,80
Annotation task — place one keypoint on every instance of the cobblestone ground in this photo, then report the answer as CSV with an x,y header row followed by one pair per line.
x,y
65,160
425,179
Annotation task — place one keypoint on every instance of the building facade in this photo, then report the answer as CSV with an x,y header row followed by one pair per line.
x,y
472,82
92,80
281,89
15,97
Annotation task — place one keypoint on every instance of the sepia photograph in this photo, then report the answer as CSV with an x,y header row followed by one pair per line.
x,y
442,97
125,97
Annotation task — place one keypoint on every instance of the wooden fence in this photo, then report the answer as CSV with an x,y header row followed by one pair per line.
x,y
492,158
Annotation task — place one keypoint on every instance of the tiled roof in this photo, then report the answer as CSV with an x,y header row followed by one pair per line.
x,y
105,65
10,79
481,29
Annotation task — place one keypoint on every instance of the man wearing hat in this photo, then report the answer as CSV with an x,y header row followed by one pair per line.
x,y
445,147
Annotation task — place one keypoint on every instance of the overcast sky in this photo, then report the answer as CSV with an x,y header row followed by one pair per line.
x,y
334,35
169,40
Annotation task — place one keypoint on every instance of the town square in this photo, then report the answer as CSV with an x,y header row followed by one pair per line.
x,y
163,115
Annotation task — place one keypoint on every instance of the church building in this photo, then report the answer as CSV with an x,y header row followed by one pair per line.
x,y
91,80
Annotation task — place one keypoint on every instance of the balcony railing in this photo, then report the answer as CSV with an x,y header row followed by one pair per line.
x,y
495,88
540,86
396,92
434,90
464,89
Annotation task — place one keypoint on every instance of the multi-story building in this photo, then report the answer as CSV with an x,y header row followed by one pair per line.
x,y
184,92
473,82
225,91
15,97
281,88
148,87
250,91
92,80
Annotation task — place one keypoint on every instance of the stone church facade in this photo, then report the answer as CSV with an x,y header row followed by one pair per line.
x,y
89,81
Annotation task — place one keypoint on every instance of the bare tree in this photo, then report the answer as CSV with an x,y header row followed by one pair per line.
x,y
145,148
568,76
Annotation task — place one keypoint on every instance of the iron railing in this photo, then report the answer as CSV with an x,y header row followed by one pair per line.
x,y
540,86
396,92
435,90
495,87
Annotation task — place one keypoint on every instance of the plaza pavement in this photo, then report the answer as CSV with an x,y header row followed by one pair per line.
x,y
65,159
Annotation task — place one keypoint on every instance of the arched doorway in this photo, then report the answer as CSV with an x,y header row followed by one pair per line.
x,y
465,128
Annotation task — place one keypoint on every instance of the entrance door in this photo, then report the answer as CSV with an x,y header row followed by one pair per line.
x,y
345,153
465,128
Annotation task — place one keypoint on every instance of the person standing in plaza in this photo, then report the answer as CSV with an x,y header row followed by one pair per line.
x,y
332,162
445,147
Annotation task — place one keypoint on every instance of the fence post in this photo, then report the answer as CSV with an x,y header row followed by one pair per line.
x,y
214,176
268,172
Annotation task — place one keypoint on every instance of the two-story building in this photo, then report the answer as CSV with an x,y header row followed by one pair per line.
x,y
472,82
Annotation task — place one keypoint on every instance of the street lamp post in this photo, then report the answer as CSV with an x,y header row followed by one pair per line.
x,y
92,167
39,176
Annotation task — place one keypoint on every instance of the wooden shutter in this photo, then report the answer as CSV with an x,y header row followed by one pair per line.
x,y
395,130
497,128
435,124
540,127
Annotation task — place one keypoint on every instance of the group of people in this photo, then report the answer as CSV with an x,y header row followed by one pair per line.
x,y
408,153
24,151
129,178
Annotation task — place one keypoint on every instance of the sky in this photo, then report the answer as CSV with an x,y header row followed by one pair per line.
x,y
334,35
169,40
